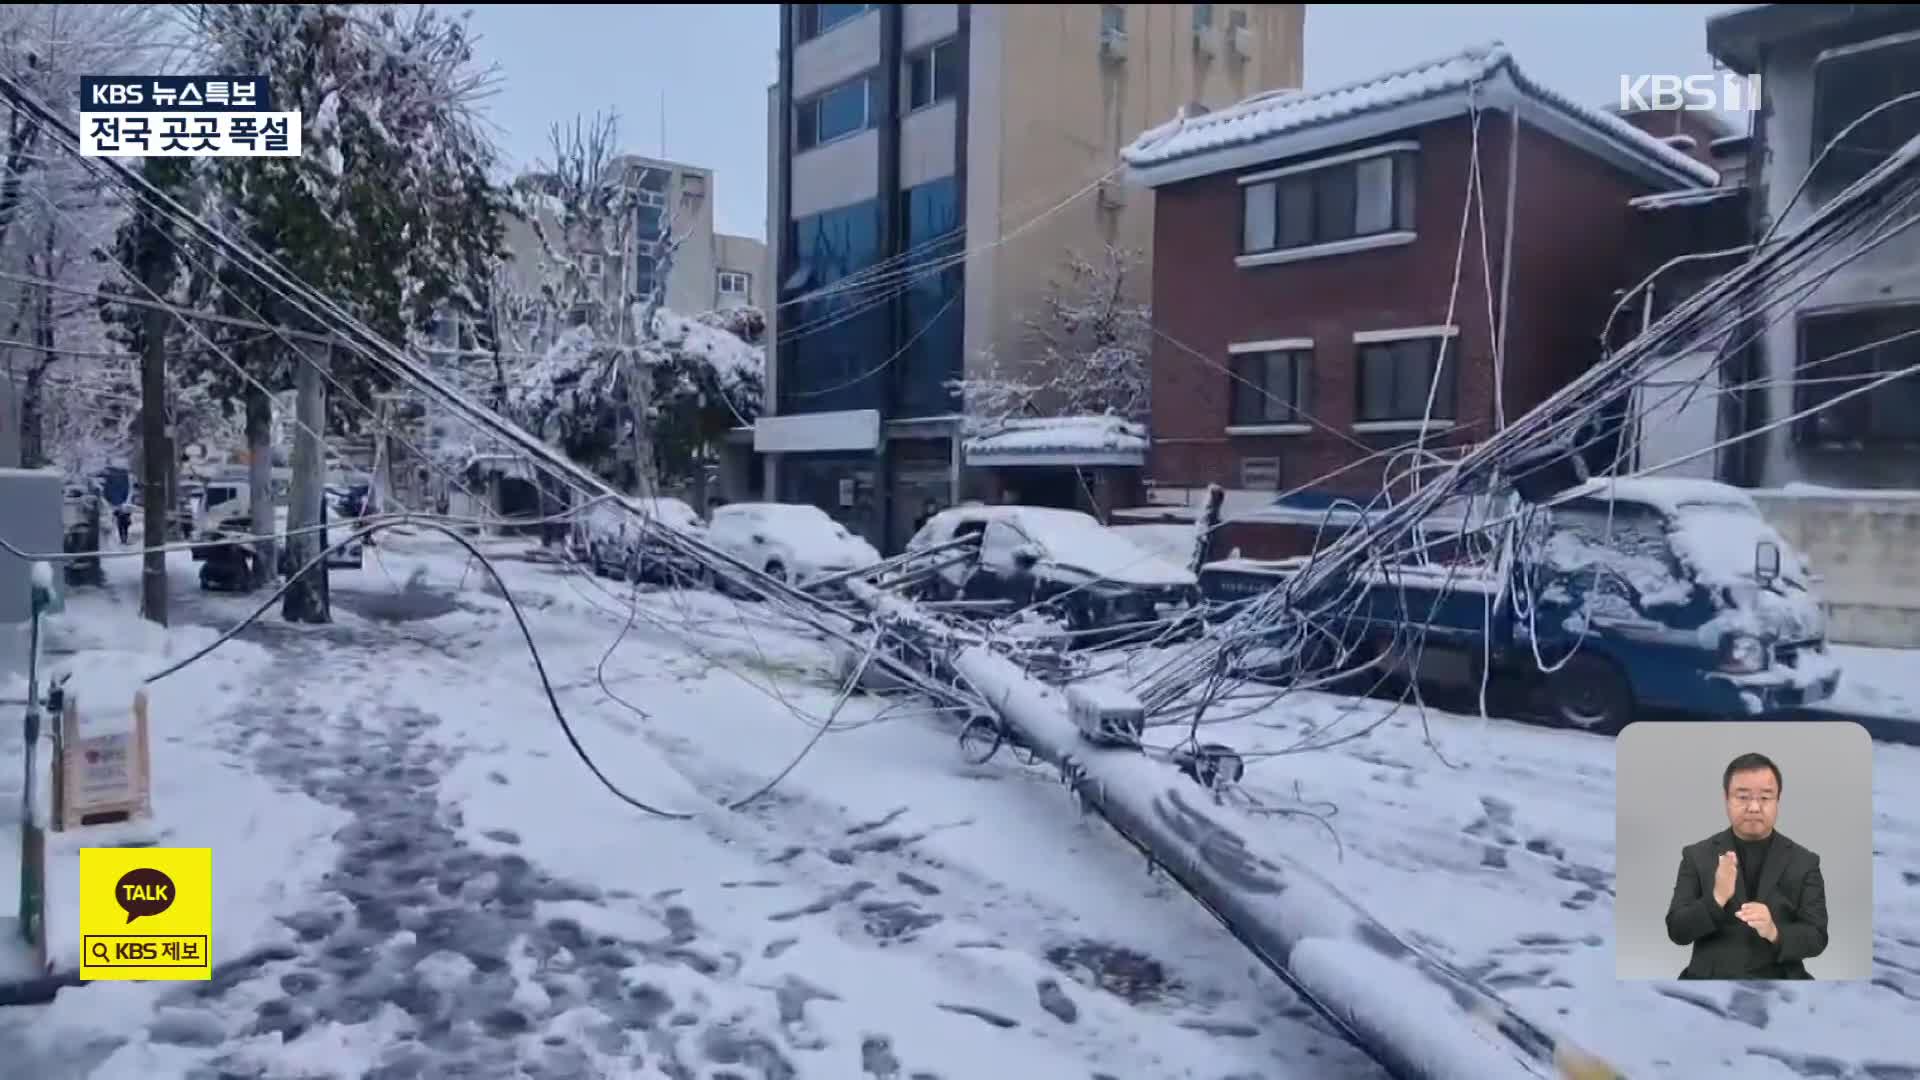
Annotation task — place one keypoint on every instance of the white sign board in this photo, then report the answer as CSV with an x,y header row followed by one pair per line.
x,y
102,776
801,433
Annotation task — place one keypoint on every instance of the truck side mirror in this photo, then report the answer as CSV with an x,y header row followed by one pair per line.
x,y
1026,556
1766,562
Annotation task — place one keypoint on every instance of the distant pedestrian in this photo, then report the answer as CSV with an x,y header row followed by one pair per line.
x,y
123,521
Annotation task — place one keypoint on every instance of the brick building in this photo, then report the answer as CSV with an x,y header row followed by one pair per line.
x,y
1305,286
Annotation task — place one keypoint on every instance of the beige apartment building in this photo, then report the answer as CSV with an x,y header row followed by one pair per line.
x,y
709,270
931,169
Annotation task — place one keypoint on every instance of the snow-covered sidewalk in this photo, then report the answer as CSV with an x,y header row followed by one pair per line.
x,y
448,891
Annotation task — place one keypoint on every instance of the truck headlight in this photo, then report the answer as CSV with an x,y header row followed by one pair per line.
x,y
1744,654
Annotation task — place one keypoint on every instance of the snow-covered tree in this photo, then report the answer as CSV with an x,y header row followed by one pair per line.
x,y
389,211
53,214
1092,344
704,381
586,296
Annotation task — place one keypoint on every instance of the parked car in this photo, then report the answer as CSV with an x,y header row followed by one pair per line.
x,y
790,541
610,540
1091,574
1636,593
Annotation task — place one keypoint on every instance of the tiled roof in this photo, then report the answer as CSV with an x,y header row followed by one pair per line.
x,y
1276,114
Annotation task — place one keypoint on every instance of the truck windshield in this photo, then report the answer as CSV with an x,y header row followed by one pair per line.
x,y
1626,542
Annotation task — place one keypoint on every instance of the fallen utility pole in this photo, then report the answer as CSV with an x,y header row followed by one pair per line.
x,y
1410,1011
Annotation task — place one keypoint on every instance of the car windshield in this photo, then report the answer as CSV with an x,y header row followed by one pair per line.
x,y
1077,540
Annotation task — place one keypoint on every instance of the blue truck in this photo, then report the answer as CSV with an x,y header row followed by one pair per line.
x,y
1617,596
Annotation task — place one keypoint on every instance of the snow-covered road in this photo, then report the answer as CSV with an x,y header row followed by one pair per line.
x,y
451,892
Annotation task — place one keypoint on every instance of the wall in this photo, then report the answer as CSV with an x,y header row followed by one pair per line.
x,y
1574,248
746,255
1204,303
1887,274
1050,118
30,519
1865,548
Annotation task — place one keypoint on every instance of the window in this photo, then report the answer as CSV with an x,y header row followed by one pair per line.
x,y
1840,353
735,283
1237,19
998,544
1113,19
1368,197
817,19
1202,18
931,304
832,342
1847,86
1396,376
839,112
1270,387
933,75
592,265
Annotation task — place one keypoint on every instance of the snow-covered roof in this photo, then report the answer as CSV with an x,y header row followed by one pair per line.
x,y
1690,197
1277,124
1060,440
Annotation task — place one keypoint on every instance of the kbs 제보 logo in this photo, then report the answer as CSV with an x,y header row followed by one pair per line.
x,y
146,913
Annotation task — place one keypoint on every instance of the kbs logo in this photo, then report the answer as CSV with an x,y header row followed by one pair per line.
x,y
146,913
183,116
1725,92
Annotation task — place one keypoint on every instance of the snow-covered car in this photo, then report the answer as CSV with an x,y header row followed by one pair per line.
x,y
610,539
790,541
1091,574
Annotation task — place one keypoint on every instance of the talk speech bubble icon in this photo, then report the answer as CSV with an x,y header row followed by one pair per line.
x,y
145,891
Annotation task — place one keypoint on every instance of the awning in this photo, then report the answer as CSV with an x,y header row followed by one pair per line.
x,y
1060,440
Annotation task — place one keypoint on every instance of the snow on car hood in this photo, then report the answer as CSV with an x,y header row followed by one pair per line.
x,y
1717,541
816,540
1079,542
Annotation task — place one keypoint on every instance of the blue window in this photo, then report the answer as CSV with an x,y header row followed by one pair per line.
x,y
834,343
931,329
817,19
839,112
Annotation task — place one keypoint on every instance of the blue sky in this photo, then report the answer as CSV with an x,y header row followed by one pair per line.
x,y
710,66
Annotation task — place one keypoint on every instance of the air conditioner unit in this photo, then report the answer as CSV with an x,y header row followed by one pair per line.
x,y
1113,44
1207,42
1240,40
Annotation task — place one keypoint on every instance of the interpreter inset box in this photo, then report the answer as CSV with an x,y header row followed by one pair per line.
x,y
1743,850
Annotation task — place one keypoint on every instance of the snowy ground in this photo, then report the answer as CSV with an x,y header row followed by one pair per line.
x,y
419,878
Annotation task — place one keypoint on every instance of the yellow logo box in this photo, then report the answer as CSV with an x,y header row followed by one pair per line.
x,y
146,913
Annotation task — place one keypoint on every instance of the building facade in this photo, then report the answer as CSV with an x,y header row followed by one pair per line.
x,y
707,271
1329,292
932,167
1823,67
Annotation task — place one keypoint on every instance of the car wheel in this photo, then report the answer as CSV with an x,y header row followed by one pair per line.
x,y
1591,693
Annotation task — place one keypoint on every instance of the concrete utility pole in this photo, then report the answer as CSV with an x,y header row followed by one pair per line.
x,y
635,326
306,600
155,453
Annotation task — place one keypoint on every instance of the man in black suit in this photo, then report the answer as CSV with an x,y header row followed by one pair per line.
x,y
1750,901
